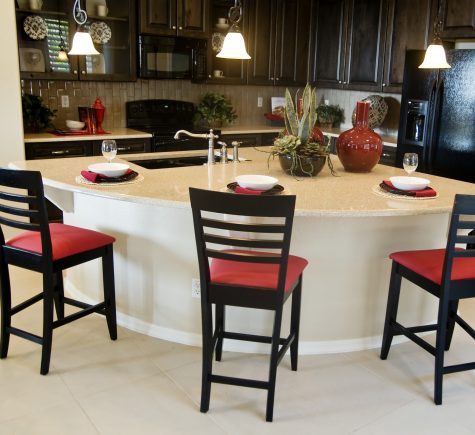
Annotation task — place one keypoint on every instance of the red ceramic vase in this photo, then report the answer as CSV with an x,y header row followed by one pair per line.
x,y
360,148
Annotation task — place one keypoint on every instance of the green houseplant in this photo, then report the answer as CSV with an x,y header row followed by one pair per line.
x,y
301,147
36,116
215,110
329,115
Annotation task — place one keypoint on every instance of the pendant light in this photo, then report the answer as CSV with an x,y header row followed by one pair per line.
x,y
82,41
62,55
435,53
233,45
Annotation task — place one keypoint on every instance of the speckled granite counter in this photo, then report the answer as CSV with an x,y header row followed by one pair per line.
x,y
115,133
342,227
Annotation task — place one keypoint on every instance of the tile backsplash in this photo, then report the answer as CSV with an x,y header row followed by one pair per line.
x,y
114,95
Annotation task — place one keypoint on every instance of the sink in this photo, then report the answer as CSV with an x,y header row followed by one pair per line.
x,y
172,162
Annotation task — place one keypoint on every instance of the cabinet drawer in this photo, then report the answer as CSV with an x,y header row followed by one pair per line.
x,y
57,150
388,157
126,146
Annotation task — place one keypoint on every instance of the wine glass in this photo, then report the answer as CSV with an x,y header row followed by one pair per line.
x,y
109,149
410,162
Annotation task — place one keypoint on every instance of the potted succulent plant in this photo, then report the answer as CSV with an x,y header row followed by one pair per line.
x,y
301,147
215,110
36,116
329,116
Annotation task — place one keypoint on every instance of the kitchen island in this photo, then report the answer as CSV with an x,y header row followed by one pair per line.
x,y
342,226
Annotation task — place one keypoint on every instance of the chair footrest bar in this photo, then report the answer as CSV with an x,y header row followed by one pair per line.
x,y
92,309
422,328
251,337
284,347
240,382
458,368
76,303
25,334
408,332
465,326
26,304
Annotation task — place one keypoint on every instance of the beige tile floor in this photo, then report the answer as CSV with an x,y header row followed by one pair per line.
x,y
141,385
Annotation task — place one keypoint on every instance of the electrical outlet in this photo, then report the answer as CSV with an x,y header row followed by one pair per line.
x,y
195,288
64,100
259,101
327,102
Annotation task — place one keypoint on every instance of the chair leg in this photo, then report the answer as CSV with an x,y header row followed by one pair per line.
x,y
5,309
440,347
273,363
48,309
295,324
453,307
59,295
109,291
391,310
220,318
207,364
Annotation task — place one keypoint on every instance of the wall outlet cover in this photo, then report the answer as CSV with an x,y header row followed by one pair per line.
x,y
195,288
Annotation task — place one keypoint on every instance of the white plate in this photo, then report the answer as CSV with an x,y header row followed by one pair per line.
x,y
109,169
256,182
409,183
100,32
32,60
35,27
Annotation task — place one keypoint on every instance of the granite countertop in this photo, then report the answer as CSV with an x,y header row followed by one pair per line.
x,y
114,133
347,194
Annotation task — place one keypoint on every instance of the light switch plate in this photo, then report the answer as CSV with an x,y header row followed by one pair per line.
x,y
259,101
64,100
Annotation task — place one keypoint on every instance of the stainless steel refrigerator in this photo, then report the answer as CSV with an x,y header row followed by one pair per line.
x,y
438,115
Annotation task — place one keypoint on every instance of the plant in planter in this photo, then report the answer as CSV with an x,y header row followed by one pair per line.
x,y
215,110
329,115
36,116
301,147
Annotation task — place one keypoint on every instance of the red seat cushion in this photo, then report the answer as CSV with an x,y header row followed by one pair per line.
x,y
66,240
255,274
429,264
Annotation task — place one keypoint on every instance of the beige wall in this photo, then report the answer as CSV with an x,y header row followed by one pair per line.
x,y
11,125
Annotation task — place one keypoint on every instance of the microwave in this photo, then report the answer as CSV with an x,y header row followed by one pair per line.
x,y
164,57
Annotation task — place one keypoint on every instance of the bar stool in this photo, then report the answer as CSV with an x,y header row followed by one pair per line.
x,y
48,249
259,274
448,274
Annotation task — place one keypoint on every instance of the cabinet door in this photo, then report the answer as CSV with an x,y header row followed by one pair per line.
x,y
458,18
365,44
117,58
39,35
328,42
408,28
292,44
192,18
158,17
261,42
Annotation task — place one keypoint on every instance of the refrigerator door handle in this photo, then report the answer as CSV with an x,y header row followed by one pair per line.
x,y
427,154
435,122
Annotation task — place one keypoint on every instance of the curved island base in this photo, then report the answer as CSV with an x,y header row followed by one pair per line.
x,y
344,229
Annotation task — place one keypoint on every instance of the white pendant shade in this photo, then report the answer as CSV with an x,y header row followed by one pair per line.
x,y
83,45
62,55
435,57
233,46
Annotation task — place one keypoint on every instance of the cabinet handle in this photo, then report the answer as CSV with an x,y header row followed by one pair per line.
x,y
271,78
123,149
174,27
57,153
75,71
277,79
384,84
339,81
83,72
180,28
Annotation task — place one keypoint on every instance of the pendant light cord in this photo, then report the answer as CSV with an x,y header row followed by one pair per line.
x,y
79,14
235,12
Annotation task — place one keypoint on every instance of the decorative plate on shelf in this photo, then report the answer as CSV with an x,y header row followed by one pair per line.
x,y
35,27
217,40
100,32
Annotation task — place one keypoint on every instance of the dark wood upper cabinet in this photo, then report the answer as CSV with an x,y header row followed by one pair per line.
x,y
278,42
175,17
348,43
458,17
409,27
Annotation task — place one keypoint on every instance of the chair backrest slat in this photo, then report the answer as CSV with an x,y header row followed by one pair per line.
x,y
249,243
242,226
246,258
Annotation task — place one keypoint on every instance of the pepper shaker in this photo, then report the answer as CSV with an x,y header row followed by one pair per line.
x,y
235,145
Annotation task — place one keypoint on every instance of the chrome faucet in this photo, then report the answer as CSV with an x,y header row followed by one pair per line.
x,y
211,138
223,151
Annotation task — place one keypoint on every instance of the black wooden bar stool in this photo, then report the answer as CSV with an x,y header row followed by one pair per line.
x,y
261,274
448,274
48,249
